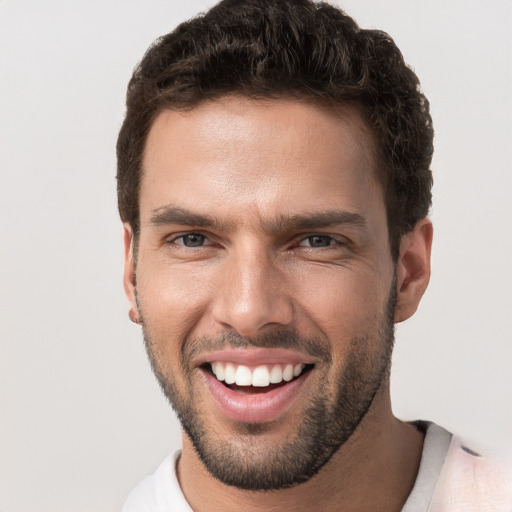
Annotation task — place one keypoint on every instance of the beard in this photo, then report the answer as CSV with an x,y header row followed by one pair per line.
x,y
246,459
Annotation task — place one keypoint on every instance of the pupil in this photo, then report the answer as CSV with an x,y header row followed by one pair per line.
x,y
319,241
193,240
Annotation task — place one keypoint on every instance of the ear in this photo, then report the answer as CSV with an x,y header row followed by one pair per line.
x,y
129,273
413,269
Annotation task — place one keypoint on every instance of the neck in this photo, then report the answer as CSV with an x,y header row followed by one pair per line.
x,y
374,470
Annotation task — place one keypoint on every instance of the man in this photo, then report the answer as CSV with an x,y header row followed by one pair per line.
x,y
274,184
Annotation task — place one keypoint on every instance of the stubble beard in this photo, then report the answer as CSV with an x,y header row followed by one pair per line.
x,y
244,460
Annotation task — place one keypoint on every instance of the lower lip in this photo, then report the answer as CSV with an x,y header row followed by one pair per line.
x,y
254,408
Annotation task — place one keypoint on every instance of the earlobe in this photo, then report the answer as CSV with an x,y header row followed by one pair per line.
x,y
129,273
413,269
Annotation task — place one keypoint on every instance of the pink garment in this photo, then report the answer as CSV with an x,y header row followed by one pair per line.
x,y
471,483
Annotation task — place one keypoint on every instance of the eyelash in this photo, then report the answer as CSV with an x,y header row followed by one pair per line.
x,y
333,240
174,239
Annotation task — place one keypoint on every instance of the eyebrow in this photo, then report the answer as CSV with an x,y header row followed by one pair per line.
x,y
315,220
171,214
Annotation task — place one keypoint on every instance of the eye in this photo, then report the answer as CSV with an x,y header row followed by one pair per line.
x,y
318,241
191,240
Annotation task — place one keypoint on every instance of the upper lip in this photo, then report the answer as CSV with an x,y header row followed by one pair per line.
x,y
256,356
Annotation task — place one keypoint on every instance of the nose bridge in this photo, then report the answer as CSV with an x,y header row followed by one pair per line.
x,y
252,294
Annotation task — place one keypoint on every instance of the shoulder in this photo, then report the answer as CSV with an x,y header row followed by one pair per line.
x,y
159,492
471,482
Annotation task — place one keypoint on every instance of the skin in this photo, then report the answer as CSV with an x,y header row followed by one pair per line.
x,y
248,164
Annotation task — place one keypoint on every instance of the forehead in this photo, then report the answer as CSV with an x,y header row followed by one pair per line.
x,y
261,156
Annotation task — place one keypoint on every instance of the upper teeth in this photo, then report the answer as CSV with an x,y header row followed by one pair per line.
x,y
260,376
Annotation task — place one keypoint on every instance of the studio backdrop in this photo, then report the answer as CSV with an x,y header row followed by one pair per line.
x,y
82,419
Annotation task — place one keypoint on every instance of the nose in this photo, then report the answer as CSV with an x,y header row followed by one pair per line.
x,y
252,294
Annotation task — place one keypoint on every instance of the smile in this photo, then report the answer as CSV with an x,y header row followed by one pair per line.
x,y
249,388
259,376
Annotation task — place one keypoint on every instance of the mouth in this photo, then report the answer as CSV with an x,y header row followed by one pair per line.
x,y
252,391
255,379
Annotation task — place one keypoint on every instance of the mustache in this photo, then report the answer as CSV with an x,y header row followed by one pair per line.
x,y
317,348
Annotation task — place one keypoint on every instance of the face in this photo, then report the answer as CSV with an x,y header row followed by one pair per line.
x,y
264,282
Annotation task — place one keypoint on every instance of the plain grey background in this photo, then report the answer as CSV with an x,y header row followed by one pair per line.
x,y
82,418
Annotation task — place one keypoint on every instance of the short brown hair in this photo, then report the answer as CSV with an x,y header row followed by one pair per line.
x,y
293,49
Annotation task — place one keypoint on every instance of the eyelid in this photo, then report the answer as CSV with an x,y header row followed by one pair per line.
x,y
211,239
172,239
337,239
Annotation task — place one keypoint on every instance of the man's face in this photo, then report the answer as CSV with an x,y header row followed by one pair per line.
x,y
263,258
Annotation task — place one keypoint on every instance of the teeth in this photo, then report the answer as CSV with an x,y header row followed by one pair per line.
x,y
243,376
259,376
219,371
229,373
276,375
288,373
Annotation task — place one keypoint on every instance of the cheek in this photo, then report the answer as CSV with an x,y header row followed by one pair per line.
x,y
172,298
342,303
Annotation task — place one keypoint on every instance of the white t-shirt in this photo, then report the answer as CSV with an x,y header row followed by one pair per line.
x,y
451,478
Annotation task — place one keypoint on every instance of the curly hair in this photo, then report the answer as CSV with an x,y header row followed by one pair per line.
x,y
287,49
